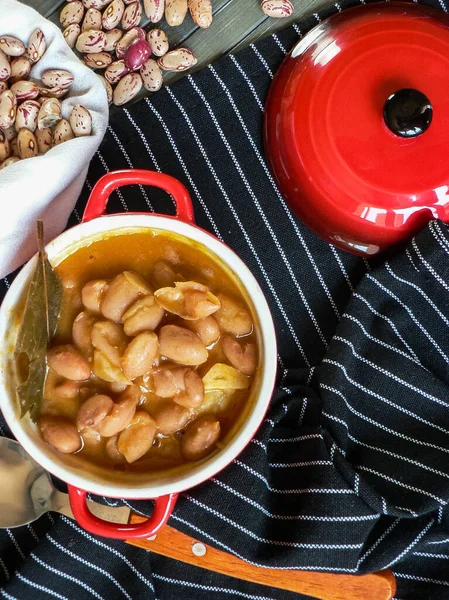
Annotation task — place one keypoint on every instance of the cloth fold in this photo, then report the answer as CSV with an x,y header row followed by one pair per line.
x,y
47,187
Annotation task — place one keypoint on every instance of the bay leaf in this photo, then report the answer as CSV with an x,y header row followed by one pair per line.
x,y
38,326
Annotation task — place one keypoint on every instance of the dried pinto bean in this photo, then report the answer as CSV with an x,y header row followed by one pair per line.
x,y
136,33
25,90
154,9
277,8
57,78
175,12
80,121
158,41
44,139
27,115
127,89
11,45
91,41
72,13
113,14
132,15
180,59
201,12
71,34
115,71
49,113
27,144
20,68
36,45
95,3
9,161
92,19
62,133
98,60
112,38
8,109
151,76
5,148
5,68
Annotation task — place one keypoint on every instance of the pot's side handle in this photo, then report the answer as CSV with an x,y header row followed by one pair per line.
x,y
98,199
163,507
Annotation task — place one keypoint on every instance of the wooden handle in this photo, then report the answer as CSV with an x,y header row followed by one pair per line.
x,y
325,586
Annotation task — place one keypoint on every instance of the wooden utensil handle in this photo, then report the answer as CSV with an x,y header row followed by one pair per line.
x,y
326,586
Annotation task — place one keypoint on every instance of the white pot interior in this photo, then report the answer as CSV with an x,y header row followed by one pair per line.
x,y
158,483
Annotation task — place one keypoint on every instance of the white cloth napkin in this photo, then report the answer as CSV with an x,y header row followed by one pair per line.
x,y
46,187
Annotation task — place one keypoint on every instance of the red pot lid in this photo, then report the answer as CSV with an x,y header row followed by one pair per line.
x,y
357,125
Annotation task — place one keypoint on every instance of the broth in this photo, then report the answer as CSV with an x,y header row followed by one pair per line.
x,y
154,255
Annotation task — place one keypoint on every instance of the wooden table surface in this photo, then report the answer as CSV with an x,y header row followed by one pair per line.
x,y
236,24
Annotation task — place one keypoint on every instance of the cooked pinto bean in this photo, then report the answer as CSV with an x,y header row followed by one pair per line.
x,y
200,437
232,317
137,438
164,383
191,394
81,333
109,338
242,358
60,433
140,354
93,411
182,346
123,291
92,293
112,451
171,417
206,329
121,414
68,362
143,315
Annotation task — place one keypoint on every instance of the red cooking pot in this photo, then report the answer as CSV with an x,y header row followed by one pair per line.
x,y
357,125
163,487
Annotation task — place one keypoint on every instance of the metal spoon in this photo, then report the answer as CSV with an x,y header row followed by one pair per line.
x,y
27,492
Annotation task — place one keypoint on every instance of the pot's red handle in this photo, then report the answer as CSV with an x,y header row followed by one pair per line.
x,y
163,507
98,199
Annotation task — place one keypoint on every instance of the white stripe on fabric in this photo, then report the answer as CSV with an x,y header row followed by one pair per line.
x,y
262,60
307,463
89,564
66,576
430,555
381,342
4,569
410,546
278,43
292,491
435,228
42,588
248,81
8,596
411,315
131,166
298,517
254,536
210,588
429,266
377,542
419,290
389,321
402,484
184,168
112,550
369,392
376,424
232,551
16,545
267,172
300,438
144,140
240,224
418,578
260,210
375,367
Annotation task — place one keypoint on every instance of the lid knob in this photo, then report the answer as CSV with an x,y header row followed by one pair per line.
x,y
408,113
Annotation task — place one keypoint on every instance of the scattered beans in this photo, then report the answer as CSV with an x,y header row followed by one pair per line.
x,y
71,34
180,59
175,12
80,121
57,78
158,42
201,11
36,46
154,9
132,15
98,60
277,8
92,20
26,117
91,41
127,88
136,33
72,13
11,46
151,75
113,14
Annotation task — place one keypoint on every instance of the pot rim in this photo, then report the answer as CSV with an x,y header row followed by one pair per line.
x,y
57,249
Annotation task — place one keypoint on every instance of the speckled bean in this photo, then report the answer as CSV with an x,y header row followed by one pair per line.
x,y
129,37
49,113
5,148
113,14
158,41
92,19
91,41
132,15
108,87
20,68
44,138
36,45
99,4
27,114
3,86
98,60
71,34
112,38
277,8
27,144
175,12
72,13
11,45
201,12
57,78
62,133
10,132
180,59
151,75
8,109
80,121
9,161
136,54
5,68
154,9
55,92
115,71
25,90
127,89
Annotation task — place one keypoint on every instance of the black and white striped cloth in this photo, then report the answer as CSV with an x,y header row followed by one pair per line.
x,y
349,471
